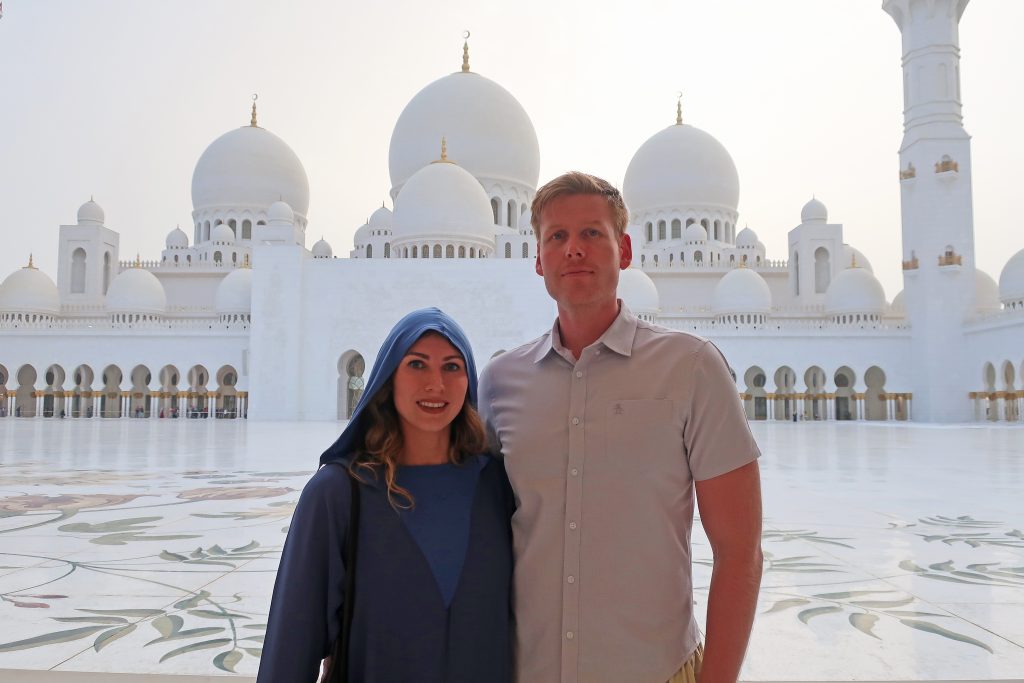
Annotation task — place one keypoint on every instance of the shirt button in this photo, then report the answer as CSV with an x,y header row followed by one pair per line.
x,y
572,525
569,635
575,420
579,374
574,471
571,579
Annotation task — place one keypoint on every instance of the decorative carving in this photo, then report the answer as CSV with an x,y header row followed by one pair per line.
x,y
946,164
950,258
912,263
909,172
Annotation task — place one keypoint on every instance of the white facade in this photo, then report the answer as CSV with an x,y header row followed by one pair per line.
x,y
247,321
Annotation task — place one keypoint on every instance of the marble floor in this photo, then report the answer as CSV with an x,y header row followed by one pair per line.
x,y
149,547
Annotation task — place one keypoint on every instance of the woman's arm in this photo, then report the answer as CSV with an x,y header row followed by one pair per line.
x,y
304,613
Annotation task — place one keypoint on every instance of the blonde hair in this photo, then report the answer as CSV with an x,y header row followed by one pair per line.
x,y
384,441
576,182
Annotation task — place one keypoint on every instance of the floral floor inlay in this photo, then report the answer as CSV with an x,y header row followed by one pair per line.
x,y
891,552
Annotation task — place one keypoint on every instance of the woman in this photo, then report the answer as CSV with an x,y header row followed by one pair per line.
x,y
433,554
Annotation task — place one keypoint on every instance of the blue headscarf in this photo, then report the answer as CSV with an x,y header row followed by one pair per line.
x,y
404,334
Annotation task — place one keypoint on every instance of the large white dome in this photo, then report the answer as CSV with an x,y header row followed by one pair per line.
x,y
638,291
443,201
681,166
1011,279
234,293
136,290
855,290
489,133
249,167
29,290
741,290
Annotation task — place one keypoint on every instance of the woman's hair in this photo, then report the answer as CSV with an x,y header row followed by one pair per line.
x,y
383,442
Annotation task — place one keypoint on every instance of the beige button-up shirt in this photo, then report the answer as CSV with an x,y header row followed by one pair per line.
x,y
602,453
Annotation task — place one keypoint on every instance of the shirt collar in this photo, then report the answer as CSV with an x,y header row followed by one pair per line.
x,y
618,337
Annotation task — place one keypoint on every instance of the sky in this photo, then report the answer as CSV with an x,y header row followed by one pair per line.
x,y
117,99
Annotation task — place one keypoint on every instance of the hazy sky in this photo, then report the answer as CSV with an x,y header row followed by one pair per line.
x,y
118,99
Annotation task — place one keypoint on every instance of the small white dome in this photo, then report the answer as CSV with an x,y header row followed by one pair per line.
x,y
1011,279
855,290
280,212
746,238
234,293
525,225
222,234
489,133
91,212
898,304
381,219
249,167
695,232
362,235
681,166
814,212
986,292
136,290
442,201
322,249
638,291
741,290
177,239
29,290
853,255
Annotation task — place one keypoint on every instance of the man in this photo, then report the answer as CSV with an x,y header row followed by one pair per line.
x,y
607,425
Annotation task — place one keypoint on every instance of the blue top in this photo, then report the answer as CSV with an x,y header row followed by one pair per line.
x,y
439,520
433,586
402,630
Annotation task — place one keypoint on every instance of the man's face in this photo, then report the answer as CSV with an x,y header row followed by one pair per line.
x,y
579,254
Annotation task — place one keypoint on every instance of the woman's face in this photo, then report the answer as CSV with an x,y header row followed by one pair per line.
x,y
430,386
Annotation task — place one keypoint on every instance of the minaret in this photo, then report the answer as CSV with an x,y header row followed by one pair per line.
x,y
938,217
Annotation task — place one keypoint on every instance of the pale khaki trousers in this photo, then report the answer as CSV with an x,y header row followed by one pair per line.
x,y
691,668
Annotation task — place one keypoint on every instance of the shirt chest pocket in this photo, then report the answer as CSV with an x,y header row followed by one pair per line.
x,y
642,434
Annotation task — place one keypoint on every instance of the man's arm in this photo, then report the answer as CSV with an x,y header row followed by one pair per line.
x,y
730,510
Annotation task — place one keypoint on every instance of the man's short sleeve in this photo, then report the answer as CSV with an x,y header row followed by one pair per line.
x,y
716,436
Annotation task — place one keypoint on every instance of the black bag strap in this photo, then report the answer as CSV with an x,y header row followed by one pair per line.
x,y
337,671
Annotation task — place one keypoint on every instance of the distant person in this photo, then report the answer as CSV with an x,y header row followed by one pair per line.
x,y
433,555
608,424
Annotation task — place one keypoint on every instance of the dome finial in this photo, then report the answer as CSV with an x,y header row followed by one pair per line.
x,y
444,155
252,121
679,109
853,260
138,261
30,262
465,52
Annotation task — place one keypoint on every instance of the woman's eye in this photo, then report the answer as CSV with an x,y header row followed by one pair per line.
x,y
453,367
417,364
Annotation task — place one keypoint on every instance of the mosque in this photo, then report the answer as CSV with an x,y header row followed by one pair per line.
x,y
241,319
